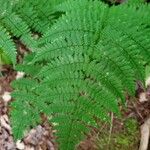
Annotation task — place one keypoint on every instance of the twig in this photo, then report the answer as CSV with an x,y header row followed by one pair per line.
x,y
110,131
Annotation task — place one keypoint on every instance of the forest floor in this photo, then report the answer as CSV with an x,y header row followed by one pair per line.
x,y
122,133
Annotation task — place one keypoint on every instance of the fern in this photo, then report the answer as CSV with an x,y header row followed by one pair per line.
x,y
85,63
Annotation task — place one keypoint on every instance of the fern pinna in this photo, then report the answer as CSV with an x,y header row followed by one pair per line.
x,y
82,67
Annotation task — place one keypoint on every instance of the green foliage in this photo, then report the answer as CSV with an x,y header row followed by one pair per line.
x,y
21,19
83,65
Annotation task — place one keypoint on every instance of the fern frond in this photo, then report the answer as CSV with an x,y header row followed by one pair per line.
x,y
18,28
15,23
85,63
